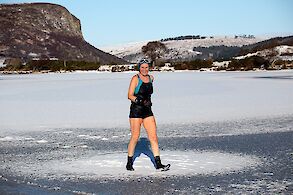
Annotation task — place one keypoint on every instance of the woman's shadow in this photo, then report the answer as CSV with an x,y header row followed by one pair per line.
x,y
143,147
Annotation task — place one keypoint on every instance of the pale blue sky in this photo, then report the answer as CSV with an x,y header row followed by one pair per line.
x,y
112,22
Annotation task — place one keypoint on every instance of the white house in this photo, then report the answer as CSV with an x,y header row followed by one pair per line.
x,y
167,67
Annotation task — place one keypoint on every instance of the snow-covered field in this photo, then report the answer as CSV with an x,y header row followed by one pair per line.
x,y
78,100
69,132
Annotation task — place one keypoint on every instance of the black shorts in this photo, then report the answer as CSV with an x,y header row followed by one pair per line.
x,y
138,111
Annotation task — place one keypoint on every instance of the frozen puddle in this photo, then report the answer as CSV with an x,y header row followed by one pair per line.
x,y
113,165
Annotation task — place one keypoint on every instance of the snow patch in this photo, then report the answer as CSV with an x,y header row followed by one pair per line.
x,y
15,138
113,165
42,141
90,136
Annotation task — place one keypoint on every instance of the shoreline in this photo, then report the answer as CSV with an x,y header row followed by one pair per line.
x,y
97,71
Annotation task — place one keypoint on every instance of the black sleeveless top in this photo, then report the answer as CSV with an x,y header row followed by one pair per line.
x,y
144,90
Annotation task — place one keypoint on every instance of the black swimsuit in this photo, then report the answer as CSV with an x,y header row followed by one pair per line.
x,y
144,91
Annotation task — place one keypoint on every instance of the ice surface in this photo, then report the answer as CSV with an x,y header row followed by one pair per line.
x,y
202,155
96,100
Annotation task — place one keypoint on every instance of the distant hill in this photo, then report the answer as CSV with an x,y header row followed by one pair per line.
x,y
188,47
267,44
217,52
192,47
188,37
44,30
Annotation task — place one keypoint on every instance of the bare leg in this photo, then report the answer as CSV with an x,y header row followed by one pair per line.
x,y
149,124
135,124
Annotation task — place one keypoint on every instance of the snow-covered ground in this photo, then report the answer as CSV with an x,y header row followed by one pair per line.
x,y
69,132
95,165
73,100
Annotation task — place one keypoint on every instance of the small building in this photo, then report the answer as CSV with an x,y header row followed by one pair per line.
x,y
167,67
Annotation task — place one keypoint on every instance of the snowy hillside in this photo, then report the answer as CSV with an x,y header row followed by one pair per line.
x,y
179,48
282,52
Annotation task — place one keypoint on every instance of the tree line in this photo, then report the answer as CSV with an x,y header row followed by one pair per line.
x,y
193,64
52,65
249,63
184,38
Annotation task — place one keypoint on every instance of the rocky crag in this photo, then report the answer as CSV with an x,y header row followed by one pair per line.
x,y
45,31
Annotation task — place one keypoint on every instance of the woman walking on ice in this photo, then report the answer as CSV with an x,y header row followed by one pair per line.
x,y
140,90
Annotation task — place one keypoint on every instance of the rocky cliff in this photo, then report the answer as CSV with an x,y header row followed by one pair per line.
x,y
43,30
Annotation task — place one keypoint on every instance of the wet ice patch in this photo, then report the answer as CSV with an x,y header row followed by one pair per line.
x,y
113,165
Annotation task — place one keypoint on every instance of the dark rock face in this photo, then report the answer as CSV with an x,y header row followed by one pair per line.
x,y
43,30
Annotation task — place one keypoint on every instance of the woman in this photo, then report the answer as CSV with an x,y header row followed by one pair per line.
x,y
140,90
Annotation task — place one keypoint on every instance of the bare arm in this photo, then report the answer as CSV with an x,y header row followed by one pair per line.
x,y
133,84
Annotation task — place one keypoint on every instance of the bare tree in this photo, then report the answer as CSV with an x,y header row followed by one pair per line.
x,y
154,50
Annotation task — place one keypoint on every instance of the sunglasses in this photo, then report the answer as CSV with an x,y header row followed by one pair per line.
x,y
144,61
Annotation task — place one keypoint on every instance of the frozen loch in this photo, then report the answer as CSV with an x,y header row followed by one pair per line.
x,y
220,131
